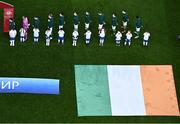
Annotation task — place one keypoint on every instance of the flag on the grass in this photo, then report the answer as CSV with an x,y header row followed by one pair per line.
x,y
125,90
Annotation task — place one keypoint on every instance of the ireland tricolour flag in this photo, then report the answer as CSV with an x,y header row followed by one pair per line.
x,y
114,90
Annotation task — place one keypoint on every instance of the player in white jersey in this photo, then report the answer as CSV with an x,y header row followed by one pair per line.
x,y
36,32
12,35
118,38
48,37
75,35
88,37
22,32
146,38
61,34
102,36
128,38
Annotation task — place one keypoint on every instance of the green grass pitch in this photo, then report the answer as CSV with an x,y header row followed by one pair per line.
x,y
160,17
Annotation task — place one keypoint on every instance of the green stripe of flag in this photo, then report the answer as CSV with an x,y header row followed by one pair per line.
x,y
92,90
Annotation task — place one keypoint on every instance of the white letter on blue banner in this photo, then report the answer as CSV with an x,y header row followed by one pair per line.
x,y
29,85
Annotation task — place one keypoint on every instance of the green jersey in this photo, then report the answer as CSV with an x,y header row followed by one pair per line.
x,y
36,23
61,20
138,23
101,19
50,22
114,21
76,20
12,25
87,19
125,17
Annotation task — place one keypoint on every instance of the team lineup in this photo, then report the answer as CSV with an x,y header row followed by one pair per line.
x,y
117,33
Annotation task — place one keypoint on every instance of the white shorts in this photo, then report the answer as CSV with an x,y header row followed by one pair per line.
x,y
101,41
75,39
61,26
51,29
86,26
48,42
76,27
100,26
88,40
113,27
35,36
138,29
118,41
125,24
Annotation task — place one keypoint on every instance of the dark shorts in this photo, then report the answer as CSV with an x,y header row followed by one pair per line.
x,y
11,38
47,38
127,40
60,38
87,39
102,38
22,37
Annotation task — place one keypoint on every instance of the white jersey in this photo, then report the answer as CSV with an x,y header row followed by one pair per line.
x,y
22,32
129,36
48,33
12,33
146,36
61,33
36,32
75,35
102,34
88,34
118,36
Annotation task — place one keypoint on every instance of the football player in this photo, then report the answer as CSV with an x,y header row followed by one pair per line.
x,y
88,37
125,19
138,26
50,24
61,21
114,23
75,35
22,33
128,38
12,24
146,38
87,21
102,35
36,23
76,21
48,36
12,35
36,32
101,21
118,38
61,34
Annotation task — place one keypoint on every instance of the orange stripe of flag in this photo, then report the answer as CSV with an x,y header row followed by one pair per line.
x,y
159,90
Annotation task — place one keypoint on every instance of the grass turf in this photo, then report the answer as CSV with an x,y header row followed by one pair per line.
x,y
160,17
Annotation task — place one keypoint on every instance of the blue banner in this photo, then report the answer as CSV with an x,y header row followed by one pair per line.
x,y
29,85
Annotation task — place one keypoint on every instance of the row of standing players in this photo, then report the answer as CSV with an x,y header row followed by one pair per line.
x,y
61,34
